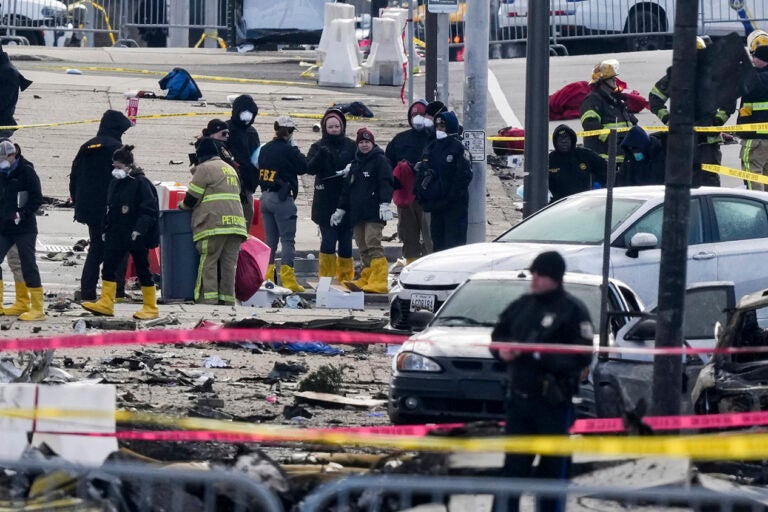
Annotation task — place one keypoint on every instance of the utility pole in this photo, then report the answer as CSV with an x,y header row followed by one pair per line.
x,y
667,370
475,110
537,108
430,80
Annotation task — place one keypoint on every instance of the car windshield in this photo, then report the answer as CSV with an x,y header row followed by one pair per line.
x,y
577,220
480,302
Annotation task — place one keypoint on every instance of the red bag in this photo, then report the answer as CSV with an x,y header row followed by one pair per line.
x,y
509,147
403,196
252,264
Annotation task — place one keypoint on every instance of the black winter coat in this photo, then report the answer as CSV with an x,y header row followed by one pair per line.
x,y
243,141
649,171
448,157
575,171
20,185
408,145
10,83
280,165
92,168
368,185
131,206
330,154
552,317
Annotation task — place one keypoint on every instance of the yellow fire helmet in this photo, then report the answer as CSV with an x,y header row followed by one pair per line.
x,y
604,70
701,44
757,38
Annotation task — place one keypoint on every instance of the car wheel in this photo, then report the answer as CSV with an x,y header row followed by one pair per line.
x,y
398,315
646,23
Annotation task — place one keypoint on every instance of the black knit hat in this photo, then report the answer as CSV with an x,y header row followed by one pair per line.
x,y
435,108
549,264
124,154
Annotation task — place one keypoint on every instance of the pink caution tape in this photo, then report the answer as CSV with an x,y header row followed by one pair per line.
x,y
699,421
220,335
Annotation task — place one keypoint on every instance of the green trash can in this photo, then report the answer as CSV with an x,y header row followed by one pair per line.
x,y
178,257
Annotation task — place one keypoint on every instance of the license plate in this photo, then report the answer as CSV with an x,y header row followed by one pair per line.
x,y
422,302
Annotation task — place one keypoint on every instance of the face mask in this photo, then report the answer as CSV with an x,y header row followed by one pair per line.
x,y
119,173
246,116
439,134
428,123
418,122
639,156
5,164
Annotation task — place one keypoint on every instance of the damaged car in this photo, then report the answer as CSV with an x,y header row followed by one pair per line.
x,y
624,380
446,373
737,382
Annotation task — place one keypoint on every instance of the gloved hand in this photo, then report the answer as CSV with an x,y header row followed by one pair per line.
x,y
103,237
135,235
16,218
337,216
344,172
385,213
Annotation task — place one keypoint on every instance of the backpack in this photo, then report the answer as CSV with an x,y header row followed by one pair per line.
x,y
509,147
180,86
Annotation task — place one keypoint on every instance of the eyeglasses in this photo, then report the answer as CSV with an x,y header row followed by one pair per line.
x,y
225,133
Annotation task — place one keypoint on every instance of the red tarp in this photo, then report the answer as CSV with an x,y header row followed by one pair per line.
x,y
565,103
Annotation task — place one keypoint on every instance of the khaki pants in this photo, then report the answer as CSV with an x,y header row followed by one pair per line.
x,y
413,230
216,272
368,239
754,158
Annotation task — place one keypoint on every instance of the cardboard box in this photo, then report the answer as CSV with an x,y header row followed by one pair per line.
x,y
330,298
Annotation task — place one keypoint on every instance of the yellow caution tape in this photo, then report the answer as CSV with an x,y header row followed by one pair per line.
x,y
196,77
736,173
731,446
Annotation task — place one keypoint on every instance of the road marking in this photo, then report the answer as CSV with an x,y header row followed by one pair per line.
x,y
500,101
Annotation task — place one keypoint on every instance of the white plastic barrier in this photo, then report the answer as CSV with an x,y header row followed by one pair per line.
x,y
333,11
341,67
384,65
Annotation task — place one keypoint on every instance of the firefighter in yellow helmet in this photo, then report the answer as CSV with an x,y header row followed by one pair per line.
x,y
754,109
605,107
707,150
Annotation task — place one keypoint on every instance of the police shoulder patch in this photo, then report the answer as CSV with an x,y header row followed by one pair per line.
x,y
583,166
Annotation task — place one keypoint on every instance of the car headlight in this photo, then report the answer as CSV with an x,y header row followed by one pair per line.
x,y
412,362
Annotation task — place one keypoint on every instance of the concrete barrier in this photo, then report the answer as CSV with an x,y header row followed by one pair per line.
x,y
333,11
384,65
341,67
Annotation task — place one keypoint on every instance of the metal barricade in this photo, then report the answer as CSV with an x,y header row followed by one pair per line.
x,y
125,487
176,24
402,492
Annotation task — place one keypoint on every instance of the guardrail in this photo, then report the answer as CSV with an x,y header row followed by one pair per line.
x,y
124,487
403,492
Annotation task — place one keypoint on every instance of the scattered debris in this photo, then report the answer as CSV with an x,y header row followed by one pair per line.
x,y
332,400
326,379
215,362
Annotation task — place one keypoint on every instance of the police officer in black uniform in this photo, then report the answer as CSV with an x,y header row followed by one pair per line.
x,y
541,385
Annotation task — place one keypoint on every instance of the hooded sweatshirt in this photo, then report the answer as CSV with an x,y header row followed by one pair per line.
x,y
325,157
403,152
10,83
644,159
92,168
576,170
243,141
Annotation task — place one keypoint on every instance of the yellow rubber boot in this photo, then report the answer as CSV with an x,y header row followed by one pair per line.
x,y
357,284
345,269
270,273
36,308
327,265
378,282
149,310
288,279
22,301
106,303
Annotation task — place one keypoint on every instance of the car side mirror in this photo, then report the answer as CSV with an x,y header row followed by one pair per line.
x,y
643,330
420,319
641,242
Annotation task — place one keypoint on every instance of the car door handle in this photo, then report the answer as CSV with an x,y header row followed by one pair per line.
x,y
703,255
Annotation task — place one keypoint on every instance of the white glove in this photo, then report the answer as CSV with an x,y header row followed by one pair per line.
x,y
16,218
344,172
337,216
385,213
135,235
